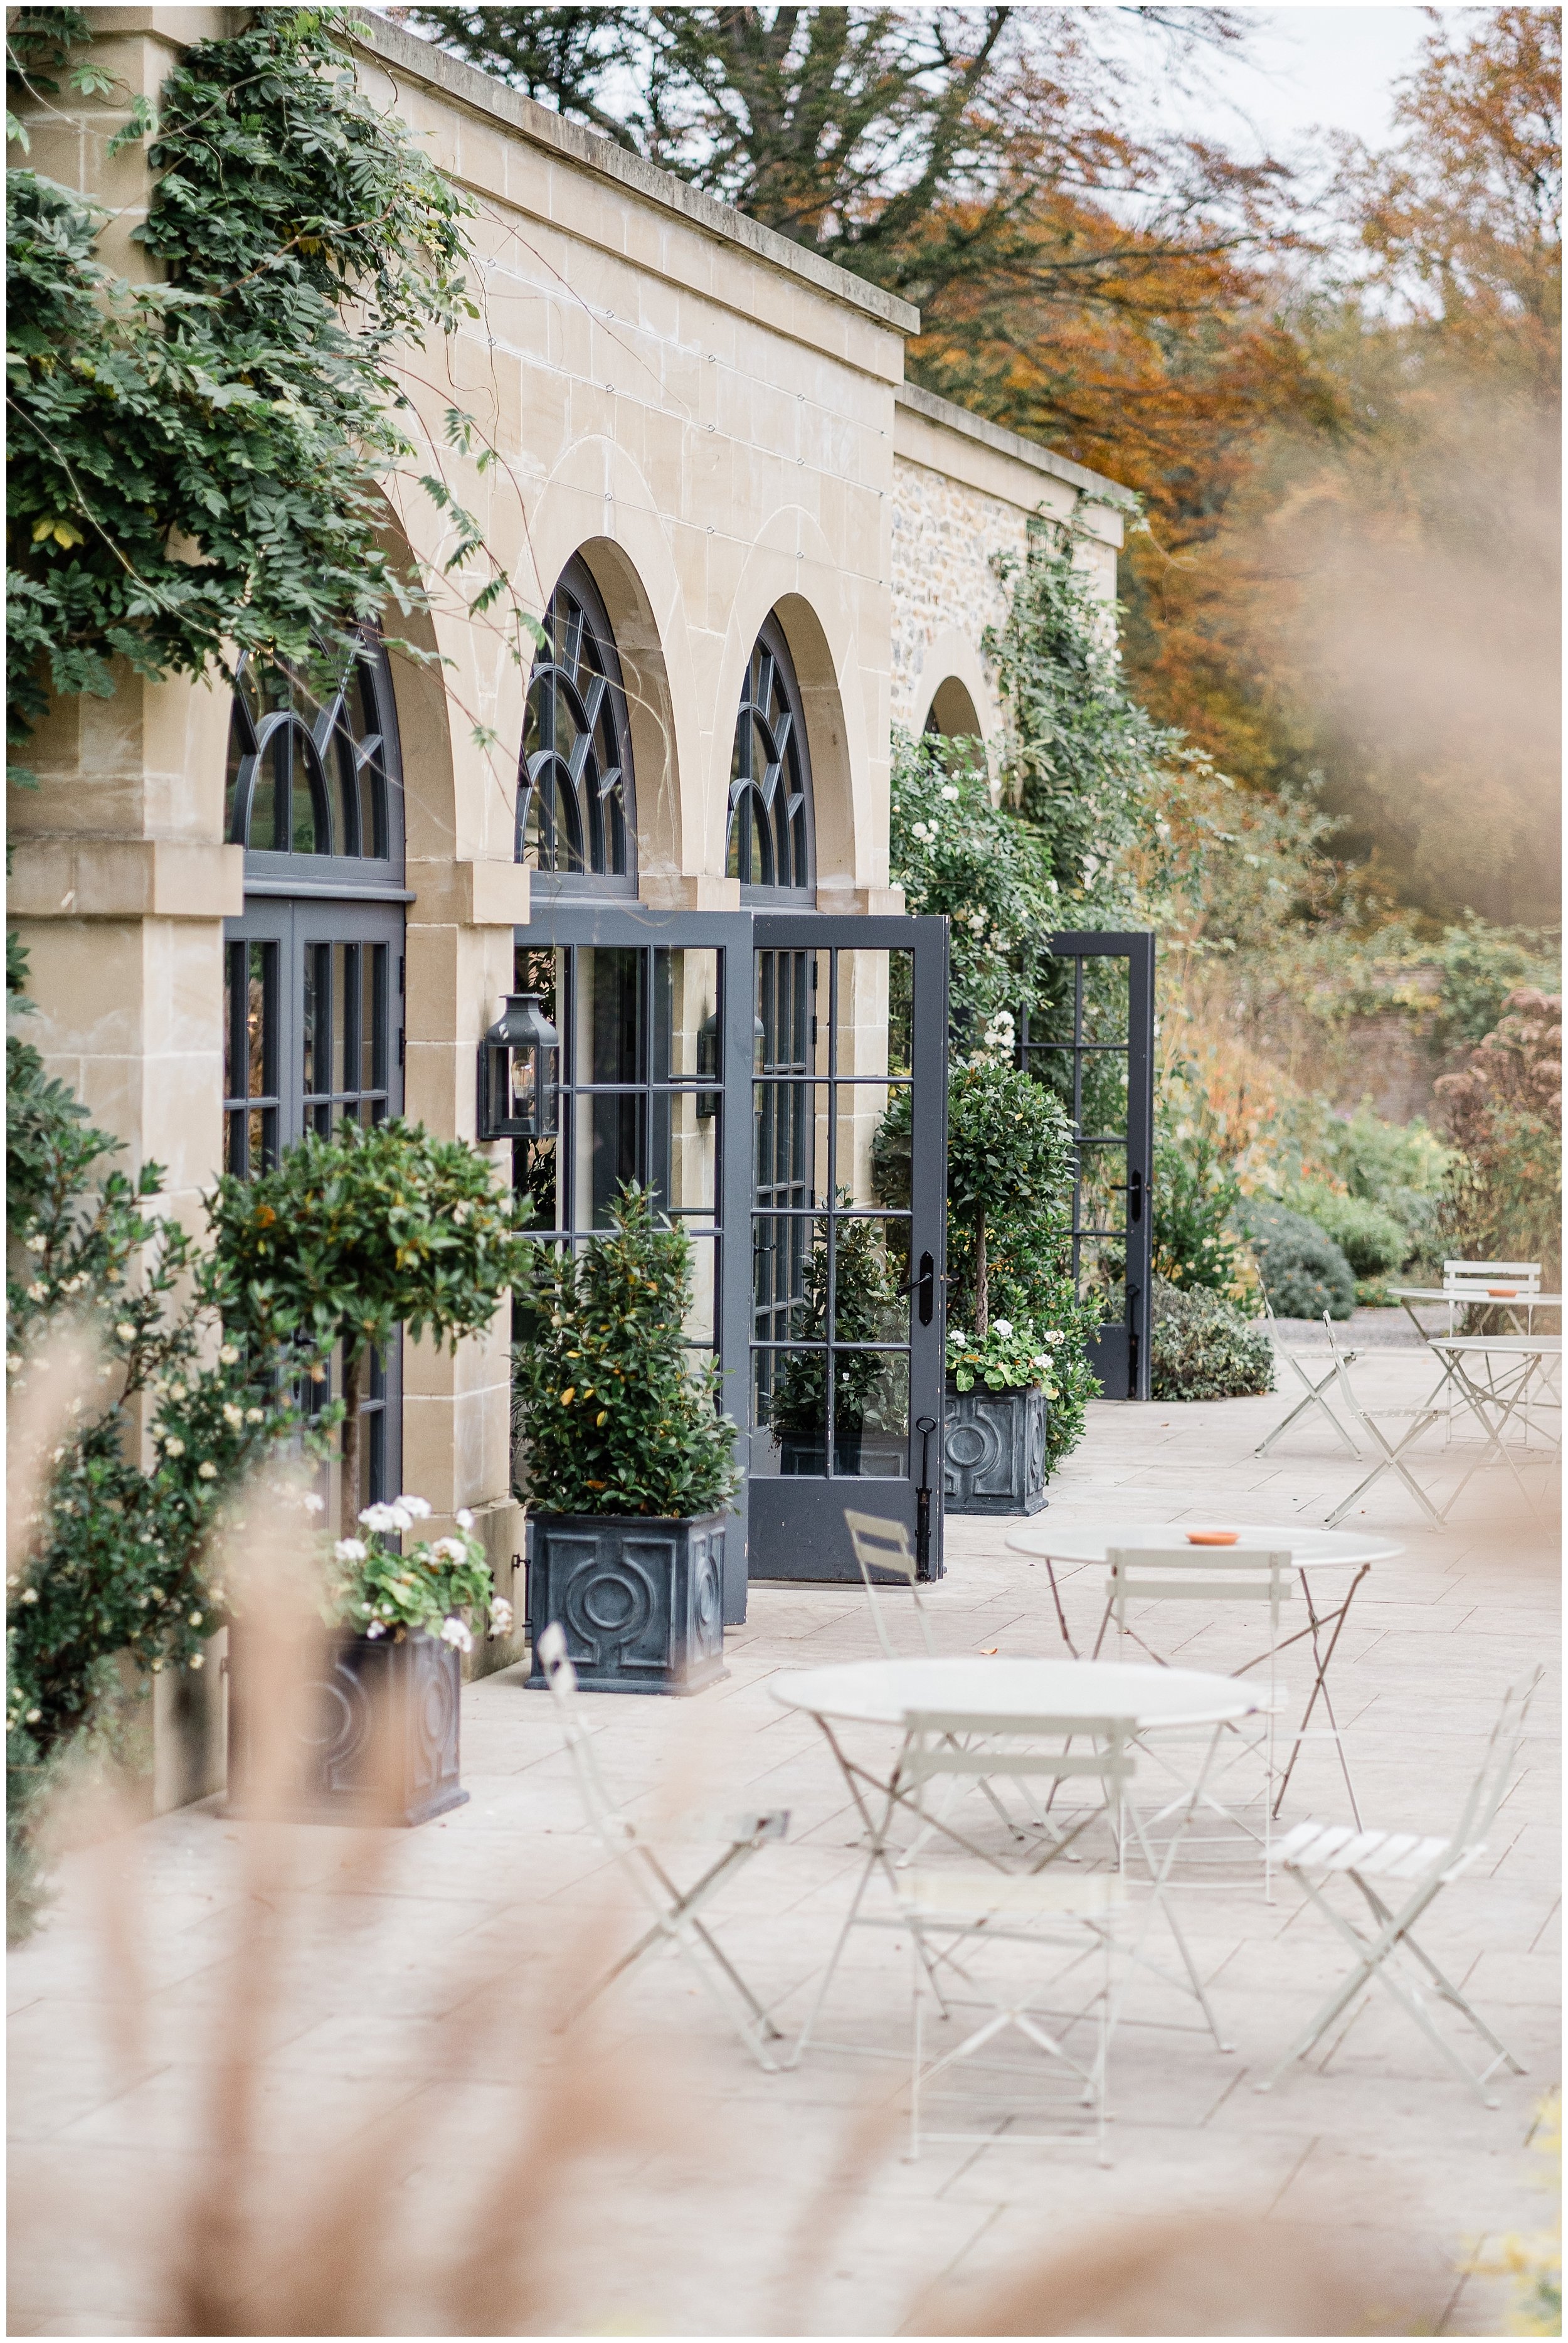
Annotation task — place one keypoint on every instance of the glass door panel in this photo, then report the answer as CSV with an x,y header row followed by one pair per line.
x,y
1092,1043
845,1359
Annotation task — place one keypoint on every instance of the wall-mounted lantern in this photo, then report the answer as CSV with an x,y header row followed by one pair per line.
x,y
519,1073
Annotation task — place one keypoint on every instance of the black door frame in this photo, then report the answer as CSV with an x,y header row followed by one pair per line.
x,y
736,937
1119,1354
801,1517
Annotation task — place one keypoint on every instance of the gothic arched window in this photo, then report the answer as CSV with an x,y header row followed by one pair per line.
x,y
313,769
577,809
769,842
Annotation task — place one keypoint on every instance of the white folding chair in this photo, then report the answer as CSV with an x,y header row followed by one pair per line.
x,y
1386,1866
1391,1453
1314,1391
1213,1577
956,1912
674,1909
883,1544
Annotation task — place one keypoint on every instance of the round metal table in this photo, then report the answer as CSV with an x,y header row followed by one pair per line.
x,y
1311,1550
884,1692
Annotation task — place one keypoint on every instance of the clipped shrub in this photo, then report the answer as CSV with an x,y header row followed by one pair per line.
x,y
620,1415
1303,1270
1370,1237
1200,1348
1194,1197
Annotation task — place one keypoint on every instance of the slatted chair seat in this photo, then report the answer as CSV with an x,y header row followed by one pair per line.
x,y
1380,1854
1411,1869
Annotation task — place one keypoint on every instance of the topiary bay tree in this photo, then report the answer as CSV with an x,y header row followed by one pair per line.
x,y
353,1236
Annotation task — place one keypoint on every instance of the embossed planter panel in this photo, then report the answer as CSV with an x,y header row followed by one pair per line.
x,y
415,1687
993,1452
641,1602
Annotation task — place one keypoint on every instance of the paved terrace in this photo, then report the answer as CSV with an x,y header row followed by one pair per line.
x,y
398,1998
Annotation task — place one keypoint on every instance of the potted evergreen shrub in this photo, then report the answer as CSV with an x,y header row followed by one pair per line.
x,y
346,1242
629,1467
1010,1180
382,1722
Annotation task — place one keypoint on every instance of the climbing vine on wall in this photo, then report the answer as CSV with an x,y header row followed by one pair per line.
x,y
194,462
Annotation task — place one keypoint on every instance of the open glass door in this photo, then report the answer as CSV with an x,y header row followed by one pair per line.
x,y
848,1112
1093,1045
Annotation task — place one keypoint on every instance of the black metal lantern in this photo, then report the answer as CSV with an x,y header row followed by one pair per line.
x,y
520,1085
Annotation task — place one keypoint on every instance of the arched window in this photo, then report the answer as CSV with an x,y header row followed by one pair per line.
x,y
577,809
313,771
769,842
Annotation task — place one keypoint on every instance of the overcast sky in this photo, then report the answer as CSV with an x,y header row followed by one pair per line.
x,y
1322,67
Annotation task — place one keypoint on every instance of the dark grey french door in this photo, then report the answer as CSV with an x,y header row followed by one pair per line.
x,y
1092,1042
761,1073
848,1117
313,1034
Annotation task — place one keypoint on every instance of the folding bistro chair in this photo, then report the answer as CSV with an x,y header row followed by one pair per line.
x,y
1313,1390
956,1912
1389,1453
881,1544
885,1545
1214,1577
1389,1866
675,1925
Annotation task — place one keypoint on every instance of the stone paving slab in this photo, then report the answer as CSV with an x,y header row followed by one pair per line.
x,y
399,2002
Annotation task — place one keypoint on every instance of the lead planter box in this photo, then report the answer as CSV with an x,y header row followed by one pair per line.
x,y
379,1732
641,1601
993,1451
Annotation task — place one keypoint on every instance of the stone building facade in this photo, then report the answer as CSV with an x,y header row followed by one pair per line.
x,y
708,451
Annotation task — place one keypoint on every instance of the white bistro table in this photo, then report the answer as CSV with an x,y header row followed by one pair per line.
x,y
1023,1696
1312,1551
1509,1364
1510,1298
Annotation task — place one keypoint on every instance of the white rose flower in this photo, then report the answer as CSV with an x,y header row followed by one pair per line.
x,y
229,1354
37,1292
232,1415
28,1594
173,1448
206,1471
196,1619
255,1415
176,1391
198,1659
125,1331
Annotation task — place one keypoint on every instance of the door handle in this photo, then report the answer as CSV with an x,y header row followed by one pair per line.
x,y
1135,1195
926,1285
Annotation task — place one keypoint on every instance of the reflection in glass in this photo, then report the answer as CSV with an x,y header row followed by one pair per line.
x,y
685,1015
872,1141
871,1414
791,1143
606,1145
1103,1187
610,1039
870,1281
700,1323
791,990
783,1247
684,1168
867,1040
790,1399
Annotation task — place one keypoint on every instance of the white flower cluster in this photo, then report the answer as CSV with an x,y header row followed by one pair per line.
x,y
400,1515
454,1631
500,1617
